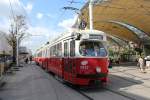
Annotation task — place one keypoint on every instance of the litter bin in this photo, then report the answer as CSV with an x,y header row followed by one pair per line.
x,y
147,61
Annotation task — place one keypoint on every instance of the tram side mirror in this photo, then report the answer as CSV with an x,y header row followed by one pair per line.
x,y
78,36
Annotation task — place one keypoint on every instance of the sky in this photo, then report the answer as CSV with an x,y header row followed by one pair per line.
x,y
46,19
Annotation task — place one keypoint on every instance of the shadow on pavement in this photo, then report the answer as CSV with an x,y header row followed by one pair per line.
x,y
118,85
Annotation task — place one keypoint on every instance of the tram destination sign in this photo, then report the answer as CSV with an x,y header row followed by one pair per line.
x,y
95,36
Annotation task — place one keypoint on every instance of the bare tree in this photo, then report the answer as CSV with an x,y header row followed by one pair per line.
x,y
17,30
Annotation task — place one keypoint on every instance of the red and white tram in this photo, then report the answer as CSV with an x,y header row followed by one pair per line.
x,y
78,57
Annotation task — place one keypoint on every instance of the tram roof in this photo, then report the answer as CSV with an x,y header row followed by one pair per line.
x,y
115,17
66,34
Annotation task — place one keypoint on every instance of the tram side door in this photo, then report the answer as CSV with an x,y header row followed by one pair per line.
x,y
66,61
72,59
69,53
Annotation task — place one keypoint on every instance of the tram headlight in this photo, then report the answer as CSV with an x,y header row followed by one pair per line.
x,y
98,69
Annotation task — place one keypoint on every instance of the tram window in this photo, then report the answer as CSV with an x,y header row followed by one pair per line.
x,y
72,48
49,52
52,51
59,49
40,54
92,48
45,52
52,48
65,49
55,51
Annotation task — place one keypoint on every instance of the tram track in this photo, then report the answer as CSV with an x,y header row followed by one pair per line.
x,y
78,90
106,89
118,93
101,87
74,88
83,94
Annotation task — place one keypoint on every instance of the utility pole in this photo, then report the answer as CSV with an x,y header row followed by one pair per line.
x,y
17,44
91,14
17,55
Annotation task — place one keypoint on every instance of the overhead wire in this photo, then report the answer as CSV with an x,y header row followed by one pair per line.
x,y
63,12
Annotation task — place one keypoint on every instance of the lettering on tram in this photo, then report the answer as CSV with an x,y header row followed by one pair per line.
x,y
78,57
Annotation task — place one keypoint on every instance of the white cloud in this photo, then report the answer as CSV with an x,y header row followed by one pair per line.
x,y
50,15
39,35
29,7
39,15
5,9
39,31
8,9
68,23
4,24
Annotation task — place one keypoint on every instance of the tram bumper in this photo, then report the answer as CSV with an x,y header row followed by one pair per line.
x,y
87,79
89,76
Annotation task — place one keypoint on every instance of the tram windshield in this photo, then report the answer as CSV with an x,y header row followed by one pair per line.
x,y
92,48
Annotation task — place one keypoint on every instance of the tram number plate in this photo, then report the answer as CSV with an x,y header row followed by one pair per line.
x,y
84,67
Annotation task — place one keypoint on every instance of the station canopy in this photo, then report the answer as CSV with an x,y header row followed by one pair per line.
x,y
125,19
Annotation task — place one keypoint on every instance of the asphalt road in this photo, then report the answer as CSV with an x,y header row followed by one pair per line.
x,y
33,83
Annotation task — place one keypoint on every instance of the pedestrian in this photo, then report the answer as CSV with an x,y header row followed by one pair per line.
x,y
26,60
30,58
96,51
110,63
141,64
83,50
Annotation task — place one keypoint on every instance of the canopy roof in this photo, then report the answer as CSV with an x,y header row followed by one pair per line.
x,y
115,17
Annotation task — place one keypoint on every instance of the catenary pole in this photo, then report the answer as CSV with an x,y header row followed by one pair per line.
x,y
91,14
